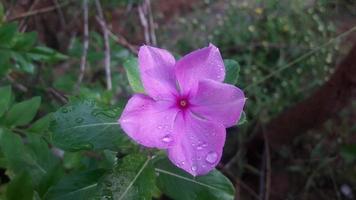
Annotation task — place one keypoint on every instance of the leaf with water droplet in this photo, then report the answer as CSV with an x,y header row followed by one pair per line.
x,y
232,69
132,178
76,186
172,181
84,125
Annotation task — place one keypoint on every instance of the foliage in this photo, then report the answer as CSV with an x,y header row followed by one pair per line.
x,y
59,139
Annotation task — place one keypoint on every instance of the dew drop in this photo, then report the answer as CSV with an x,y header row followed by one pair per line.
x,y
159,127
211,157
182,163
194,168
167,139
79,120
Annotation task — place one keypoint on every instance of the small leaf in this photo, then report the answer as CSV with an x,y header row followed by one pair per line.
x,y
5,99
133,178
41,124
84,125
232,69
180,185
80,186
20,188
133,75
243,119
22,113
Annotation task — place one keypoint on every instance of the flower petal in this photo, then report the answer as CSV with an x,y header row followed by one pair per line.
x,y
199,146
157,72
218,102
149,122
205,63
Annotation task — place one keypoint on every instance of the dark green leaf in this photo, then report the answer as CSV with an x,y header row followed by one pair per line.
x,y
133,75
22,113
5,99
133,178
13,150
232,69
80,186
348,152
180,185
7,32
34,158
20,188
84,125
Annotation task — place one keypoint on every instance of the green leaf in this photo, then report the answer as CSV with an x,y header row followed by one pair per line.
x,y
34,158
20,188
5,99
348,152
7,32
13,150
22,113
180,185
133,178
84,125
133,75
232,71
41,125
243,119
80,186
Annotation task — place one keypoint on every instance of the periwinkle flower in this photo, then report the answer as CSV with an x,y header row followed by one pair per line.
x,y
186,108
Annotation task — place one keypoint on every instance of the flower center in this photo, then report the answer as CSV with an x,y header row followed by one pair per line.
x,y
182,103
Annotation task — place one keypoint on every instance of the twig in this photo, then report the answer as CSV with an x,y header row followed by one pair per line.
x,y
101,21
17,85
123,42
83,59
37,12
267,165
144,23
151,22
60,13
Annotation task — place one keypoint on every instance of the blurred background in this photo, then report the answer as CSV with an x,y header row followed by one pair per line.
x,y
297,139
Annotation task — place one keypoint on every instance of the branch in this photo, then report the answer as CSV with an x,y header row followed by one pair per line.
x,y
83,59
37,12
101,21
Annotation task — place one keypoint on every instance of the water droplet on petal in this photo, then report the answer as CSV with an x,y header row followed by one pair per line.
x,y
194,168
211,157
159,127
167,139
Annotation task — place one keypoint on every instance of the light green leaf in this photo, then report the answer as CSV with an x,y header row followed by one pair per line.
x,y
232,69
22,113
133,75
133,178
180,185
84,125
80,186
243,119
41,124
20,188
5,99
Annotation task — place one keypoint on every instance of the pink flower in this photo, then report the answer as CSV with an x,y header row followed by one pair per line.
x,y
186,108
